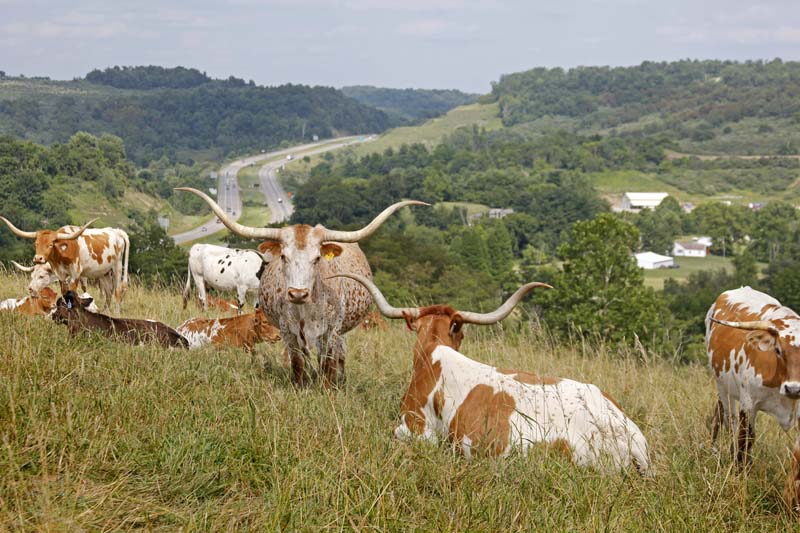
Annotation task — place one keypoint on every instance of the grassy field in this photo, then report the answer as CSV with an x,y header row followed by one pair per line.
x,y
99,435
430,133
687,265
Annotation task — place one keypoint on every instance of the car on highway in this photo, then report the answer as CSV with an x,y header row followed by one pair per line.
x,y
289,157
204,229
280,200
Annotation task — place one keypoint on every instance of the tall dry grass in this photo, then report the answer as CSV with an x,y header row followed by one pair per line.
x,y
100,435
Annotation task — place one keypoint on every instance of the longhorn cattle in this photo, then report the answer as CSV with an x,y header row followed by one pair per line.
x,y
753,345
488,410
243,331
312,312
224,269
42,276
72,311
76,252
41,305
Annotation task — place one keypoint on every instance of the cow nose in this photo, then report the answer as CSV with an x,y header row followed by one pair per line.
x,y
791,390
38,259
298,296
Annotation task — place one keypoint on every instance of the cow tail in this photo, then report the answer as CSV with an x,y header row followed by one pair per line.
x,y
188,288
124,287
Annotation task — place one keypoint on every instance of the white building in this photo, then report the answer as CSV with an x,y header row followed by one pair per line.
x,y
652,261
689,249
636,201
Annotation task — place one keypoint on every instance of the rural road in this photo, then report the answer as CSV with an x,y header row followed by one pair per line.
x,y
228,191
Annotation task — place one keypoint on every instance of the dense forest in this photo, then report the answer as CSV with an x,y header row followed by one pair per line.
x,y
409,105
697,100
150,77
210,120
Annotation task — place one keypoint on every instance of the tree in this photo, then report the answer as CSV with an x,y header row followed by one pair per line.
x,y
601,291
774,231
725,224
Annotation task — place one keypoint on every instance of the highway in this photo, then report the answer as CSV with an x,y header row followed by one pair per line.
x,y
229,193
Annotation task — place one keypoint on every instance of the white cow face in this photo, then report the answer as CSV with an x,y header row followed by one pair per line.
x,y
300,251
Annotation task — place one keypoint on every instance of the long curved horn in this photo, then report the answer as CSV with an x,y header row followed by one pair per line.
x,y
501,312
18,232
23,268
74,235
763,325
235,227
383,306
369,229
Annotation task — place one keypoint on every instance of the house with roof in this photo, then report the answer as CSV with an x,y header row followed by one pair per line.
x,y
697,247
636,201
652,261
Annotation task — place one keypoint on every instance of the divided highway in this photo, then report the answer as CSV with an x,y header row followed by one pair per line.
x,y
229,194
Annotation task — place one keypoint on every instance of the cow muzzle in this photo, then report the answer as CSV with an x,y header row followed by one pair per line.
x,y
297,296
791,389
39,259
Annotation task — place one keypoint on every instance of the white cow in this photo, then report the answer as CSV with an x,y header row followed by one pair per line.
x,y
222,268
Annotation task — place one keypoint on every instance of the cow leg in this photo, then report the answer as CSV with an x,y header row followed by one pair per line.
x,y
200,283
331,361
241,298
791,493
297,357
745,436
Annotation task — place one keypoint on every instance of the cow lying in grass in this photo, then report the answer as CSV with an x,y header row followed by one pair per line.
x,y
494,411
240,331
41,305
73,311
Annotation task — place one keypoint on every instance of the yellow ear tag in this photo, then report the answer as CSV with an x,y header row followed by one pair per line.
x,y
329,256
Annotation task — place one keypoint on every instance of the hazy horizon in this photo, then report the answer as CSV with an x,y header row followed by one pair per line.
x,y
437,44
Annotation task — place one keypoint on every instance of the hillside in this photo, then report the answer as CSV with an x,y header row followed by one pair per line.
x,y
702,106
184,118
87,177
409,105
99,435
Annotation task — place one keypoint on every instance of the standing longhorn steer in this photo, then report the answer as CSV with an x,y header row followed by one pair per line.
x,y
484,409
753,345
75,253
312,312
72,311
222,268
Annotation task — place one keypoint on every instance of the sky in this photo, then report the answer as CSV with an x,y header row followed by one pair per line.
x,y
459,44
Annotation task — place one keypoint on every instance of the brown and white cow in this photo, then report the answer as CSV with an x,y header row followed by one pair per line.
x,y
753,345
243,331
312,312
76,252
483,409
72,311
41,305
42,276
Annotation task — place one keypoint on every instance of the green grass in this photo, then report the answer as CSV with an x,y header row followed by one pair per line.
x,y
99,435
688,265
430,133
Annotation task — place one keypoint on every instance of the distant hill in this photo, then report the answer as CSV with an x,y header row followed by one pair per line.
x,y
409,105
705,106
179,113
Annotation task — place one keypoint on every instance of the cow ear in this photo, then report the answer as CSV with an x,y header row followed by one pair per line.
x,y
761,340
330,250
272,247
455,325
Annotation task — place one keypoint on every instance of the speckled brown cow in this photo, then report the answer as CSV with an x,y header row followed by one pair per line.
x,y
77,253
753,345
488,410
312,312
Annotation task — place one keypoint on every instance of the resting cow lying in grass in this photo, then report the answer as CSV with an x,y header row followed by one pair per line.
x,y
73,311
489,410
240,331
